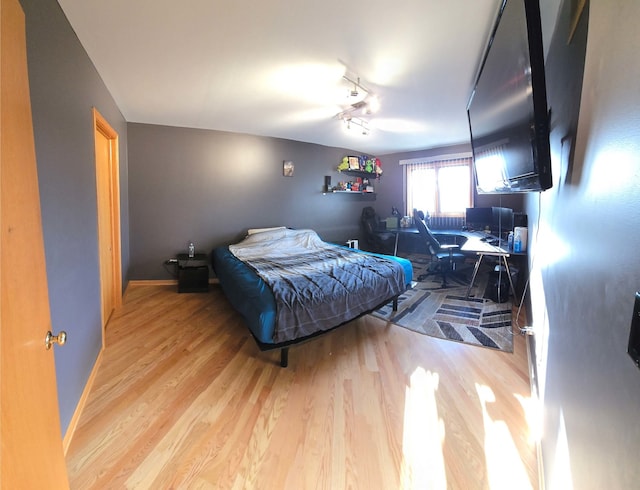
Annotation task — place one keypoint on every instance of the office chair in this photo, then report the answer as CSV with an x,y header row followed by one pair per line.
x,y
375,238
445,258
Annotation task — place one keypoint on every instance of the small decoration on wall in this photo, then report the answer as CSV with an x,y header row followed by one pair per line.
x,y
287,168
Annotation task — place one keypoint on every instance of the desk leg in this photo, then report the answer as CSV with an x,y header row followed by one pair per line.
x,y
475,273
395,247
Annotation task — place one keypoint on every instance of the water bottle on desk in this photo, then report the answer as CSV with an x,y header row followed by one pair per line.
x,y
510,241
192,250
517,243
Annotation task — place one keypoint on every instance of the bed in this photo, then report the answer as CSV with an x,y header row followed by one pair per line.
x,y
291,286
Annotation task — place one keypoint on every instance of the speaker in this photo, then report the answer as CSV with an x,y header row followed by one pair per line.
x,y
193,279
327,183
520,220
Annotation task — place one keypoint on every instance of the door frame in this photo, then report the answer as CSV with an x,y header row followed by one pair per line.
x,y
100,125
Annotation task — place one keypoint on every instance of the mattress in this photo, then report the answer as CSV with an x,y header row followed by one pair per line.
x,y
250,294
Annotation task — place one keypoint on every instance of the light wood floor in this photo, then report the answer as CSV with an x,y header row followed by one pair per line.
x,y
184,399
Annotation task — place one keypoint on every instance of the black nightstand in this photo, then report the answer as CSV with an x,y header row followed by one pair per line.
x,y
193,273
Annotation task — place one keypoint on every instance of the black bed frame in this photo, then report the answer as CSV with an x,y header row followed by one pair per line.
x,y
284,346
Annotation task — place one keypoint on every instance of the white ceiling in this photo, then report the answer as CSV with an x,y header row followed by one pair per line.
x,y
275,67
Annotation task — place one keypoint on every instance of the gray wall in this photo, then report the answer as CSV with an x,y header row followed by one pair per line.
x,y
585,261
64,88
210,186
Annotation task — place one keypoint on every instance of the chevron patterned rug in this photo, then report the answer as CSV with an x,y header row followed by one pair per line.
x,y
447,313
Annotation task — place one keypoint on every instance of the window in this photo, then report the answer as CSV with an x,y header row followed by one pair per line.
x,y
440,186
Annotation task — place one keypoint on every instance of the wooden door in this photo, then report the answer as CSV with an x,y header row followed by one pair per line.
x,y
108,202
31,442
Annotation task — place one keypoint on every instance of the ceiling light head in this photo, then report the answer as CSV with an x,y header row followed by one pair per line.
x,y
354,91
373,104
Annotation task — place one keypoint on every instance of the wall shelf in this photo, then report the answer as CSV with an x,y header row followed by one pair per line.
x,y
363,180
355,193
360,173
350,192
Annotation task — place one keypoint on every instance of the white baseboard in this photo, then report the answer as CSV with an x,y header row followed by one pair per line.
x,y
535,399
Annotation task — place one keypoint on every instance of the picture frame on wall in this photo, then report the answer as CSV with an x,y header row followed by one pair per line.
x,y
288,168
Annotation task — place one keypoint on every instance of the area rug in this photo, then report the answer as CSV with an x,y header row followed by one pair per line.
x,y
447,313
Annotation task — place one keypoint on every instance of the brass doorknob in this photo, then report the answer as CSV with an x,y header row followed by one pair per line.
x,y
51,339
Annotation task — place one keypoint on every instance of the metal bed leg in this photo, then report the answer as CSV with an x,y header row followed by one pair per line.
x,y
284,357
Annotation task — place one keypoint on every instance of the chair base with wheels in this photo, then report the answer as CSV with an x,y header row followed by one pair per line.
x,y
445,258
444,267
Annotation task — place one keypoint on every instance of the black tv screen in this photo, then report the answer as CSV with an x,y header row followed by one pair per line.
x,y
502,221
478,219
497,220
507,110
634,334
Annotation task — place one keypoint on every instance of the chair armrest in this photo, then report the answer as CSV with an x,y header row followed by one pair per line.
x,y
450,248
443,238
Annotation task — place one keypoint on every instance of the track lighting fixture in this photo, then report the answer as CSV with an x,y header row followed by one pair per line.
x,y
365,106
352,122
354,92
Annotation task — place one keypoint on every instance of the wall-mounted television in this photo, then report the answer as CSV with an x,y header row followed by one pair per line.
x,y
634,334
507,110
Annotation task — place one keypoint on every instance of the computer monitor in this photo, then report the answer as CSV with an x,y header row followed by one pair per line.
x,y
478,218
497,219
501,221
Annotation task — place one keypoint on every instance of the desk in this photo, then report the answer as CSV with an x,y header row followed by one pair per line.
x,y
502,255
471,243
397,231
475,245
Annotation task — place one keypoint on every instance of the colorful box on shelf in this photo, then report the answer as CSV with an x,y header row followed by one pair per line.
x,y
362,163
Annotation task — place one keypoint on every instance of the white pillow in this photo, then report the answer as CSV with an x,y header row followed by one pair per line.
x,y
251,231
